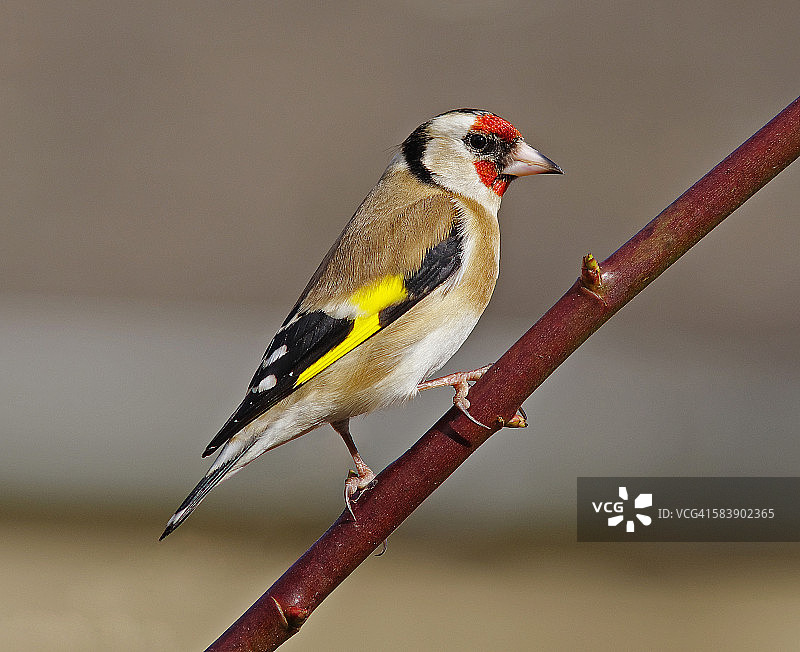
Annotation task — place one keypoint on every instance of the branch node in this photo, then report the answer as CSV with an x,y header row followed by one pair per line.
x,y
590,274
519,420
591,279
296,616
292,618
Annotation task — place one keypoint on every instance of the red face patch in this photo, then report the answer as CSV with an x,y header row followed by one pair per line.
x,y
493,124
487,171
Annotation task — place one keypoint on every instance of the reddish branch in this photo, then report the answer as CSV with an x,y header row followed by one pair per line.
x,y
599,292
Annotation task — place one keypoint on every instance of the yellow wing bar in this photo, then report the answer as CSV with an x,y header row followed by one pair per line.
x,y
369,300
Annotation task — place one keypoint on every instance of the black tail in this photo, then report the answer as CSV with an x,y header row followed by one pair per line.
x,y
212,479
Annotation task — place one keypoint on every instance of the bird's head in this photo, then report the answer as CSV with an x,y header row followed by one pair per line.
x,y
471,152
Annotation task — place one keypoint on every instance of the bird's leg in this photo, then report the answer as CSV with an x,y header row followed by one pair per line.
x,y
460,382
362,476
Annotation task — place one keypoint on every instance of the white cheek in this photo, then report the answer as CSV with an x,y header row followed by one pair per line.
x,y
452,167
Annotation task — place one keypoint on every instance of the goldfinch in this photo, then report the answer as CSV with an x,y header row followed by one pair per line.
x,y
391,302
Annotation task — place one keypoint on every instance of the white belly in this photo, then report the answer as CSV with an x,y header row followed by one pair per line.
x,y
427,356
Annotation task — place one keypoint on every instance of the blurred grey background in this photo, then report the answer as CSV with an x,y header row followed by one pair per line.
x,y
172,173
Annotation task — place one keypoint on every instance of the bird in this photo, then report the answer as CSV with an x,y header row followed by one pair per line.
x,y
392,301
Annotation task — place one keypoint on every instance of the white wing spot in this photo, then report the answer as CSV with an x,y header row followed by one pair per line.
x,y
275,355
268,383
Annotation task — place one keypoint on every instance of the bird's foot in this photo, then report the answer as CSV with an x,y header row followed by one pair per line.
x,y
356,482
460,382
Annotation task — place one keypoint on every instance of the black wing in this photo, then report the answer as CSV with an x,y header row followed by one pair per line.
x,y
305,338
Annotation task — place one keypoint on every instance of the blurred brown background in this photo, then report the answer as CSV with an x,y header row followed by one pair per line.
x,y
172,173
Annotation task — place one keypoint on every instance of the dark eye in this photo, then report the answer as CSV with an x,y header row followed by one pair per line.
x,y
478,142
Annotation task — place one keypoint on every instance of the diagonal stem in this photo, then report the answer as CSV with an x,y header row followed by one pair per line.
x,y
586,306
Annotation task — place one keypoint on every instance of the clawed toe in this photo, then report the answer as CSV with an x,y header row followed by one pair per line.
x,y
463,405
353,485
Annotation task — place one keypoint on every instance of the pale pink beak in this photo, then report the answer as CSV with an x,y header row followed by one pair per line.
x,y
529,161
